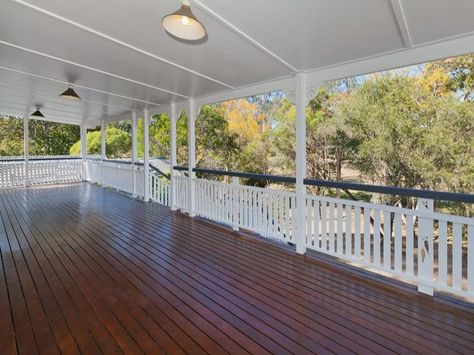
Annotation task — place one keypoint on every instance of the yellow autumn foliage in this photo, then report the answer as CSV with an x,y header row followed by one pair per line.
x,y
244,119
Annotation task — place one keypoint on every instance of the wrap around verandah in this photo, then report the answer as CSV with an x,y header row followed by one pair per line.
x,y
118,256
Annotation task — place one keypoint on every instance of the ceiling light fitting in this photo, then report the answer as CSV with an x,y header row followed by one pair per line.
x,y
70,94
183,24
37,113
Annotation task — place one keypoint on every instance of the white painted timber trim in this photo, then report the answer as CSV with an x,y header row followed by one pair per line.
x,y
402,22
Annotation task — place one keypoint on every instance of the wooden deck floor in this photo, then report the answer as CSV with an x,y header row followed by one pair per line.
x,y
87,270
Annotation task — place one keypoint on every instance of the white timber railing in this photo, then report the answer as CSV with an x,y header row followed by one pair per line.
x,y
40,171
268,212
432,250
119,175
181,187
160,189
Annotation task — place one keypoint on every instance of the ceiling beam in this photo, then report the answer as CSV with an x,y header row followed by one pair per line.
x,y
243,35
119,42
401,20
90,68
79,86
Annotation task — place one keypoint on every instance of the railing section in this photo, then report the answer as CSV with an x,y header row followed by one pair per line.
x,y
181,187
160,189
432,249
54,171
268,212
119,175
51,171
12,174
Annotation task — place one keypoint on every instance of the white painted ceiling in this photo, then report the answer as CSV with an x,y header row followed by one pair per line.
x,y
120,59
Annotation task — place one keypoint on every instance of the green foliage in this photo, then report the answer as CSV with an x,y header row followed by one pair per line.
x,y
460,71
11,136
216,146
46,138
51,138
118,143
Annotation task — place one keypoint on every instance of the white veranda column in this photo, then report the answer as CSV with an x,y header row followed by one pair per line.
x,y
26,149
300,102
102,148
146,155
173,159
134,153
192,113
84,152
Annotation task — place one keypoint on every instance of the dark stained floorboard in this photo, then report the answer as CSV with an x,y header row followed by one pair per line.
x,y
88,270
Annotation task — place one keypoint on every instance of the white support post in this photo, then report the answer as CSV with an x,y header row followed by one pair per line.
x,y
300,102
173,155
146,155
84,152
235,204
102,148
26,149
192,113
425,248
134,153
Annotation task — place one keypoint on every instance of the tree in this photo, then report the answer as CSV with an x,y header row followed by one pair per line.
x,y
52,138
244,119
460,73
216,145
11,136
412,134
118,143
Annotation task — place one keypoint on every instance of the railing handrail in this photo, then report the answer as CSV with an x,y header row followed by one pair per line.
x,y
11,160
389,190
393,190
154,168
275,178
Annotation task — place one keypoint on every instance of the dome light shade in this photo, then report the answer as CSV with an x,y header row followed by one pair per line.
x,y
70,94
37,113
183,24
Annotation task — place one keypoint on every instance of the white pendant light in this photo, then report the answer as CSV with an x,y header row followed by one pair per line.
x,y
70,94
183,24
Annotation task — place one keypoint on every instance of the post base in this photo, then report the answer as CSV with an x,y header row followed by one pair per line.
x,y
426,289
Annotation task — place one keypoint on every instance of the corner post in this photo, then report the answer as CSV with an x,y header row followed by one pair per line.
x,y
146,155
300,103
102,148
425,248
84,152
173,159
26,148
134,153
193,111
